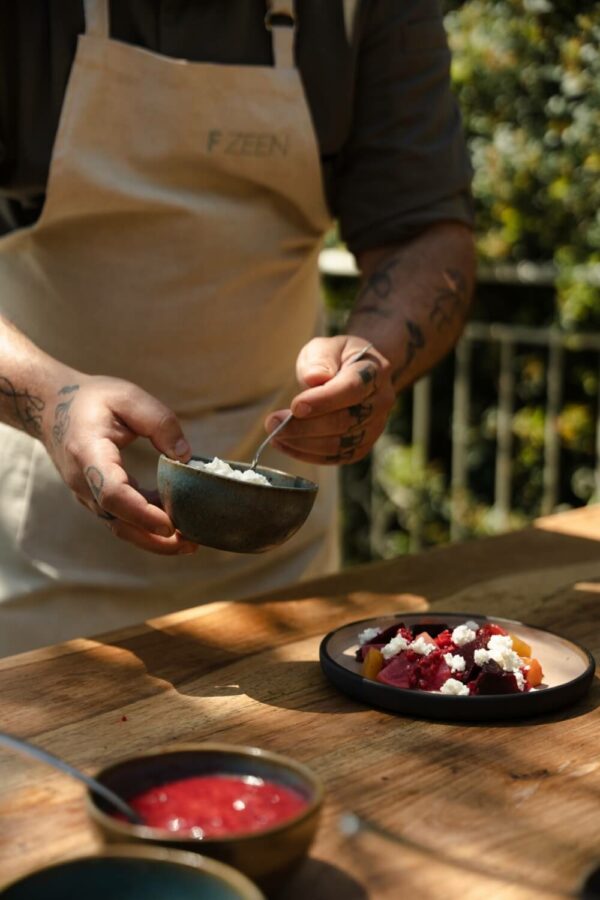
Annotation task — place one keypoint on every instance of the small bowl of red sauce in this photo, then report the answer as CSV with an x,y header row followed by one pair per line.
x,y
250,808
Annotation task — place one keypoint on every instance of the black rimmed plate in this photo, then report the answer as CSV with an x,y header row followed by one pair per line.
x,y
568,672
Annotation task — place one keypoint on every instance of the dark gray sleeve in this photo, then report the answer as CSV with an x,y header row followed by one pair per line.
x,y
405,164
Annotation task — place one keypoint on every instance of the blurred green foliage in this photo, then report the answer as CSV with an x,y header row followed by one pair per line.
x,y
527,77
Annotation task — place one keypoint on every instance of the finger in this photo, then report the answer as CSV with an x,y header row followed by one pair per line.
x,y
351,386
148,417
323,446
335,423
319,360
173,546
110,489
341,457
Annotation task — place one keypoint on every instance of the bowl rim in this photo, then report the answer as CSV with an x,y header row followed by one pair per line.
x,y
231,876
309,488
145,832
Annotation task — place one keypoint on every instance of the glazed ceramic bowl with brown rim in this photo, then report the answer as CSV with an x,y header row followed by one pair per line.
x,y
227,514
134,873
266,856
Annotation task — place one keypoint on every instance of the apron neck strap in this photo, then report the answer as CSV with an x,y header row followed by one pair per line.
x,y
96,18
281,21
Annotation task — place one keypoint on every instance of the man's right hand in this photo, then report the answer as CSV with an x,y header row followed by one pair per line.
x,y
87,422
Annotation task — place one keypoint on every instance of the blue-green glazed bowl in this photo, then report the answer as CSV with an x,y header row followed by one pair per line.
x,y
234,515
135,873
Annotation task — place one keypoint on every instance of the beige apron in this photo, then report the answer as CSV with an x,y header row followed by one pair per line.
x,y
177,249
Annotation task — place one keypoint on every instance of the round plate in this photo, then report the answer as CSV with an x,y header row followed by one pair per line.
x,y
568,672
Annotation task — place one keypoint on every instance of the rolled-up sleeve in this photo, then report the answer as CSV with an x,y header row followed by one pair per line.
x,y
405,164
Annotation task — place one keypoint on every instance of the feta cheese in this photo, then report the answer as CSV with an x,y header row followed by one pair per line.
x,y
520,678
367,635
481,657
454,687
462,634
219,467
456,663
395,646
501,651
421,646
472,625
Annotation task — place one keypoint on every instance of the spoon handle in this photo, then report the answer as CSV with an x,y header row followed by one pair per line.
x,y
290,415
24,747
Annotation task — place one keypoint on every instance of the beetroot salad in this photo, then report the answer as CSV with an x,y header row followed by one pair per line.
x,y
468,659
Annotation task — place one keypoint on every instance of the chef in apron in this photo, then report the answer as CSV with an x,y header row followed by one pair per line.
x,y
177,249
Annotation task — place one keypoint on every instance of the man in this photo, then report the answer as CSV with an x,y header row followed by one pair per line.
x,y
164,205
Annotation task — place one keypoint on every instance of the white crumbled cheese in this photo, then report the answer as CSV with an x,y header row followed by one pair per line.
x,y
395,646
474,626
220,467
421,646
368,635
455,687
481,657
456,663
501,651
462,634
520,679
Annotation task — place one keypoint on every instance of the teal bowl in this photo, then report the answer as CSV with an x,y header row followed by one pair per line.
x,y
234,515
134,873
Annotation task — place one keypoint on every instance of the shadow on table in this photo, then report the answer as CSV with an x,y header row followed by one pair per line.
x,y
321,881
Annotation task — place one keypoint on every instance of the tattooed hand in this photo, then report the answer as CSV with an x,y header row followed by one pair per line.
x,y
87,424
344,407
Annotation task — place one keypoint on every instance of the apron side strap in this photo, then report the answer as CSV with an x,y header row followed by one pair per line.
x,y
281,21
97,20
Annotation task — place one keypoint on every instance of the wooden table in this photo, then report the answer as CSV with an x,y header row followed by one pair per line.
x,y
496,811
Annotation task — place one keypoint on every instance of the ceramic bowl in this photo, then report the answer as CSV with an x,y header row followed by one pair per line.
x,y
265,856
234,515
135,873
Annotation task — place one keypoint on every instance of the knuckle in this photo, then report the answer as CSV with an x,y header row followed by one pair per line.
x,y
168,422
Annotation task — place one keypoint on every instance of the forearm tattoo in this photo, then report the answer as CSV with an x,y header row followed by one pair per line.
x,y
449,300
26,409
377,289
415,341
62,417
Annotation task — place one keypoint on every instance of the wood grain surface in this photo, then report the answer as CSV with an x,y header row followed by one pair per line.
x,y
499,811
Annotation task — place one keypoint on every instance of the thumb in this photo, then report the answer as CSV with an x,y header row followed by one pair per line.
x,y
319,361
148,417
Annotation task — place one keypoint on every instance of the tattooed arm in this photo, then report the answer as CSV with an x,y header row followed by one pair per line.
x,y
412,306
415,299
84,421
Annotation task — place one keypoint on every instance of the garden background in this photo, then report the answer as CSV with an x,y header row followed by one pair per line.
x,y
527,77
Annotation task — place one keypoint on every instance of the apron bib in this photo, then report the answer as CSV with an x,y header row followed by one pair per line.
x,y
177,249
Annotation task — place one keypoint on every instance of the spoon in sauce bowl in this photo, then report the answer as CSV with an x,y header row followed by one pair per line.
x,y
26,748
290,415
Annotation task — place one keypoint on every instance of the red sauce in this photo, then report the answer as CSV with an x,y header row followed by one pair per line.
x,y
218,805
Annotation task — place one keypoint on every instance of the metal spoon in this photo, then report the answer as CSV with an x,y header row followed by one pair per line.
x,y
24,747
290,415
